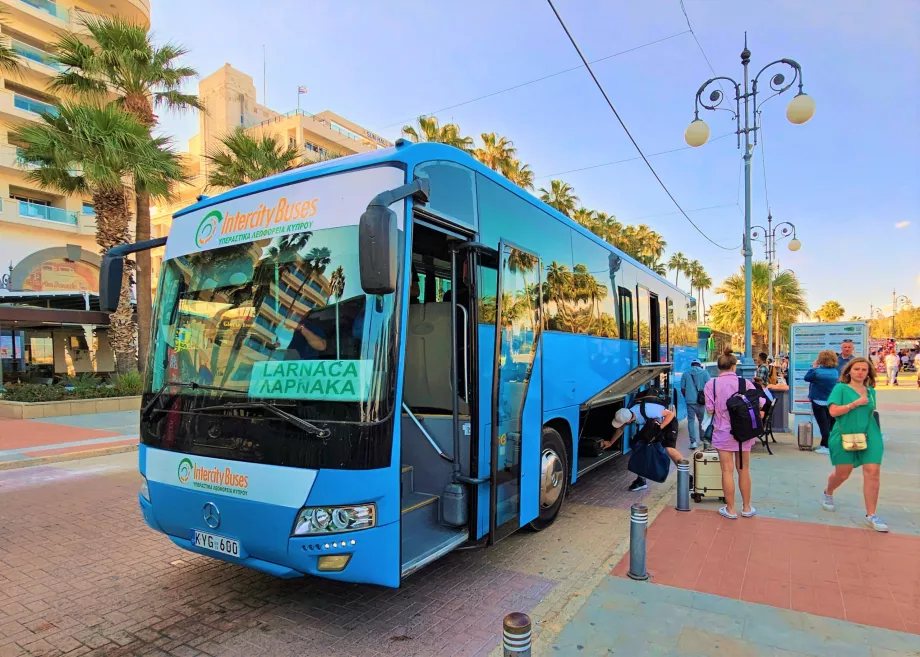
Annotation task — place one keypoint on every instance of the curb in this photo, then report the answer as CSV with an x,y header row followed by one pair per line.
x,y
74,456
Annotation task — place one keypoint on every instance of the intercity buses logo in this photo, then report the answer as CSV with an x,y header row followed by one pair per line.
x,y
283,217
185,470
208,228
213,479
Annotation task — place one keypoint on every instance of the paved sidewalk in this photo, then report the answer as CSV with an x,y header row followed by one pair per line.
x,y
795,580
33,442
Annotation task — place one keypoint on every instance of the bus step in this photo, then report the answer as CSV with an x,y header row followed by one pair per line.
x,y
422,544
420,503
406,480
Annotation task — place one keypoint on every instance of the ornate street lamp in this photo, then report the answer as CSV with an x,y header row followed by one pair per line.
x,y
747,122
768,237
897,303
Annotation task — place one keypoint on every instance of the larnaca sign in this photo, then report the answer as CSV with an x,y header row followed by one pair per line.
x,y
327,380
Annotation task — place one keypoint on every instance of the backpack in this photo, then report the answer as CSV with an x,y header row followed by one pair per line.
x,y
700,394
650,432
744,412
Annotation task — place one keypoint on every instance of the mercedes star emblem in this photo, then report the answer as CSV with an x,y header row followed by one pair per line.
x,y
211,515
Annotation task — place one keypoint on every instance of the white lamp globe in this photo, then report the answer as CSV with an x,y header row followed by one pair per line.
x,y
697,133
800,109
795,244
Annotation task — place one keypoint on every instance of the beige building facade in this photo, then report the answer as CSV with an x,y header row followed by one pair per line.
x,y
230,98
49,261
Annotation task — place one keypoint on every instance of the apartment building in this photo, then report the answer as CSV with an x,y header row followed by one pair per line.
x,y
49,260
230,98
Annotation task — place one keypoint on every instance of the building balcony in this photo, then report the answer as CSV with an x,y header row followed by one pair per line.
x,y
38,60
20,106
35,215
50,8
29,210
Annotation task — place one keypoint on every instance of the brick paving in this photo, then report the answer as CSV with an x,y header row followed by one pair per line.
x,y
839,572
28,442
80,573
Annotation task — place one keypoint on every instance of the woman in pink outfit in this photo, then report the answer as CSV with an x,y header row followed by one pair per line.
x,y
732,454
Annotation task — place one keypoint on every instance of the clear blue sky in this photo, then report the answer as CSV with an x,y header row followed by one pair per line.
x,y
846,179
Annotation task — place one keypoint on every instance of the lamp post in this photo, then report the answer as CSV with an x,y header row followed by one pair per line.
x,y
897,302
747,122
768,237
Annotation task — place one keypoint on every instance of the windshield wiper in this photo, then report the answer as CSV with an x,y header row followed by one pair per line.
x,y
180,384
284,415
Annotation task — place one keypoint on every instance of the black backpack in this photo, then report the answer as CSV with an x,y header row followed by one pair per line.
x,y
650,432
744,412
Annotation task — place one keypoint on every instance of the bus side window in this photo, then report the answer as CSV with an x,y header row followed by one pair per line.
x,y
626,314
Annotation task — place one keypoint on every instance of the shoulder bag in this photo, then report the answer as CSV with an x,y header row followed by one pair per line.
x,y
707,434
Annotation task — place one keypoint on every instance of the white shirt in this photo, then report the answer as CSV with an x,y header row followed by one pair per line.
x,y
652,410
917,361
892,360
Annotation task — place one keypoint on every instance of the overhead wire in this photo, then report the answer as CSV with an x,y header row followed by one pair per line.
x,y
629,159
629,134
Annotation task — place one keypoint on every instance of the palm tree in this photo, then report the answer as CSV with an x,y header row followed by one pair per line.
x,y
609,229
520,174
497,153
9,58
337,283
586,218
830,311
788,301
244,158
84,149
678,263
700,280
427,129
121,57
560,196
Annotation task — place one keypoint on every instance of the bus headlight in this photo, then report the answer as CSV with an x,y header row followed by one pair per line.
x,y
334,519
145,489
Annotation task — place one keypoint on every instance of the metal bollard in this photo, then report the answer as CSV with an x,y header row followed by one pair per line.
x,y
638,525
517,635
683,485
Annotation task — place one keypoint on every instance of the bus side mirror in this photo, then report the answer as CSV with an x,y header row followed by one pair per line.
x,y
377,249
110,278
377,236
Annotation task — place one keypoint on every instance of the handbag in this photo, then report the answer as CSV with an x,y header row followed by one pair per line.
x,y
650,461
853,442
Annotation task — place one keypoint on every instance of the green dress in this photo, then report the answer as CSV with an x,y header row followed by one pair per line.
x,y
858,420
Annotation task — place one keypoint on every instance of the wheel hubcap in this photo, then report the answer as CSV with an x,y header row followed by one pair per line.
x,y
551,478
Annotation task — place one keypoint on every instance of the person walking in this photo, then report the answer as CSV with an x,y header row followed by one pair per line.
x,y
892,365
917,367
691,385
856,439
821,379
733,455
763,369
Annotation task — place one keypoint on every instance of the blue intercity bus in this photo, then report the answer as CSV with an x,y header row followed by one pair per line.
x,y
325,393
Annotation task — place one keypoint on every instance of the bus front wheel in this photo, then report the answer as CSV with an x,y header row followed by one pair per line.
x,y
554,478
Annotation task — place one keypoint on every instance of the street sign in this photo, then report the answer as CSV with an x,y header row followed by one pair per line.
x,y
809,339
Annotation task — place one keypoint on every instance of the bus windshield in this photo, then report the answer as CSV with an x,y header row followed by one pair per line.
x,y
281,321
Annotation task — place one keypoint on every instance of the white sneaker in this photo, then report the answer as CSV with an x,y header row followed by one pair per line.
x,y
828,503
694,445
822,450
876,523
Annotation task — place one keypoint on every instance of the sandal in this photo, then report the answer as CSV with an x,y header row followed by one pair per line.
x,y
749,514
725,514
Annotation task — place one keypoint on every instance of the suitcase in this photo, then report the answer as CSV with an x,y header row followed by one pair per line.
x,y
589,448
804,434
707,475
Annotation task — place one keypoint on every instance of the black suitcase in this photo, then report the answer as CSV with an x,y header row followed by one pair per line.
x,y
589,447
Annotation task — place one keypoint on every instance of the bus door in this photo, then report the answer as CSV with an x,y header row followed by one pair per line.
x,y
517,391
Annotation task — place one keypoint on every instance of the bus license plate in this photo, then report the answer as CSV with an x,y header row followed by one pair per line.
x,y
216,543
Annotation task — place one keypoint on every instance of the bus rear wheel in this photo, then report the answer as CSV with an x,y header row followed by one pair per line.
x,y
554,478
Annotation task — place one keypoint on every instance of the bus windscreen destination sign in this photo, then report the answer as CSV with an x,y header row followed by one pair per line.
x,y
325,380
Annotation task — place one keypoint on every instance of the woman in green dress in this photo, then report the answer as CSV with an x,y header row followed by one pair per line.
x,y
852,403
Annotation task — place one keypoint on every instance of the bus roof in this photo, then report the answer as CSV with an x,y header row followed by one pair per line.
x,y
408,155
